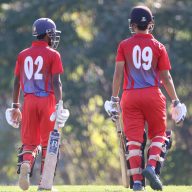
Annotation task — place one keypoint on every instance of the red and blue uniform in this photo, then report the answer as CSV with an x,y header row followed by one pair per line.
x,y
139,77
36,65
142,101
35,68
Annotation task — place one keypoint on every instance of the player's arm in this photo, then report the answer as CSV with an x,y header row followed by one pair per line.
x,y
61,114
57,86
13,114
16,113
16,91
117,78
167,81
110,106
179,110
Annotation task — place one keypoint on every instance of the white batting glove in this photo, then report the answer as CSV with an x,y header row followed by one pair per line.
x,y
13,117
60,116
112,108
178,111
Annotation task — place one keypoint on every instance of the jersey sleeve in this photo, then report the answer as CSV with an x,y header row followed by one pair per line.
x,y
164,63
17,67
120,55
57,66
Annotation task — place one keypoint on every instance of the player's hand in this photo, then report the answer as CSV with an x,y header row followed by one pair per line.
x,y
60,115
112,108
178,111
13,117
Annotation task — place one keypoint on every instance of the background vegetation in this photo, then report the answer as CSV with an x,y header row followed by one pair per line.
x,y
91,31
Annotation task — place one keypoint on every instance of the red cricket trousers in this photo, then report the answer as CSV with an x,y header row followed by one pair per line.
x,y
36,124
140,106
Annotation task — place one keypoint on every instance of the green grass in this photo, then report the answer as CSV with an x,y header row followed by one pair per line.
x,y
96,188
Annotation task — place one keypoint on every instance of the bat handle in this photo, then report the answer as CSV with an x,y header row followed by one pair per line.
x,y
56,127
59,108
118,126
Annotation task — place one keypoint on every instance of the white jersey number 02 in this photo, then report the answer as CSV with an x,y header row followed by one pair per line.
x,y
29,67
142,57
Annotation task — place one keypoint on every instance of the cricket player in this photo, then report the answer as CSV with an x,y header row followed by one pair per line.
x,y
37,73
144,63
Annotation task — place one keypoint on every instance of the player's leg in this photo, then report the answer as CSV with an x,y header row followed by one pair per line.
x,y
133,121
30,140
155,113
26,160
168,144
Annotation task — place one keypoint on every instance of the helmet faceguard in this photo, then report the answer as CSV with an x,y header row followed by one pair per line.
x,y
131,26
141,16
54,37
47,26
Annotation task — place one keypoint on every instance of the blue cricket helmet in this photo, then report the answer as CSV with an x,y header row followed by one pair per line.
x,y
47,26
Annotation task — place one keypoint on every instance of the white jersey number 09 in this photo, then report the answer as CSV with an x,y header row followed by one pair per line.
x,y
142,57
29,67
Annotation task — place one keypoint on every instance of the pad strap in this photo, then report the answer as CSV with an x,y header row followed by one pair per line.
x,y
162,137
134,171
25,152
156,158
159,145
133,153
133,143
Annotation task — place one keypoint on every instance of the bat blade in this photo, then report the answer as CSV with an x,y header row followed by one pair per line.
x,y
122,154
125,177
50,160
51,156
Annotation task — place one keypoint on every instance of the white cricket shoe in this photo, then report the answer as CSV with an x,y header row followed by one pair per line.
x,y
24,176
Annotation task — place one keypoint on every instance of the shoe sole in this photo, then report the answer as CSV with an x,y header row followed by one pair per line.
x,y
152,180
51,190
23,177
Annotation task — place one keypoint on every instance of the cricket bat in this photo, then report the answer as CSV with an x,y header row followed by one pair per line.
x,y
122,153
51,156
122,145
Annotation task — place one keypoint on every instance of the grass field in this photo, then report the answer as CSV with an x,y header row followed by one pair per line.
x,y
96,188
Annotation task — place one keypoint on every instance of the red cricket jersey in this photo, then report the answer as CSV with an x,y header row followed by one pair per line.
x,y
144,57
35,67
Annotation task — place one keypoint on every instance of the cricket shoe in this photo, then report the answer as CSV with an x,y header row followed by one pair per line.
x,y
154,180
24,176
138,187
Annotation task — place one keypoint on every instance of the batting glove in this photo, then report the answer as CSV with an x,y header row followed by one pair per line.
x,y
13,117
60,116
112,108
178,111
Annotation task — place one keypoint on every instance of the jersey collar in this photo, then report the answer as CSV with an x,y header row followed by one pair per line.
x,y
143,35
40,43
